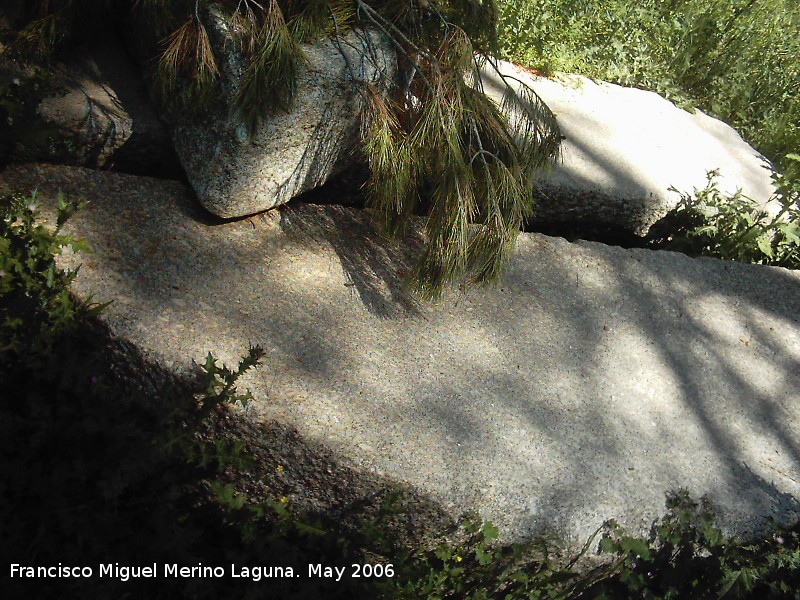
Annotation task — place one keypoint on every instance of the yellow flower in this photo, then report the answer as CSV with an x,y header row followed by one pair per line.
x,y
280,469
284,500
458,559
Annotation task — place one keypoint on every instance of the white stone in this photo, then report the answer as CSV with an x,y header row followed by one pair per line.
x,y
624,148
537,409
98,115
235,175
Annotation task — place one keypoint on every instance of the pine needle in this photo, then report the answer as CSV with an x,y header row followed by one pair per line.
x,y
438,146
188,51
478,163
390,186
270,79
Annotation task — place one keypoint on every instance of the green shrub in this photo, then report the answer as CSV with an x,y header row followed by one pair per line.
x,y
688,557
711,223
36,308
479,567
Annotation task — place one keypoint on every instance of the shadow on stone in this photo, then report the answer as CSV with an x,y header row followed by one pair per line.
x,y
374,266
105,461
591,382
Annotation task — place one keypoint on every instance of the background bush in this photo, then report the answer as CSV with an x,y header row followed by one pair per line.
x,y
736,59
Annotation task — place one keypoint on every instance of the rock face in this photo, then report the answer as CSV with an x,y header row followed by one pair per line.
x,y
593,382
624,148
234,174
97,114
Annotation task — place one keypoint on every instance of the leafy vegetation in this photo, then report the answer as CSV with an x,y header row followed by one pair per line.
x,y
37,308
688,557
712,223
736,59
436,145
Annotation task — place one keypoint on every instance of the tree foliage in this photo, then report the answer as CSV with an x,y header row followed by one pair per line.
x,y
436,145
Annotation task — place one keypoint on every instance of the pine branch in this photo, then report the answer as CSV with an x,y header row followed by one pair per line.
x,y
435,144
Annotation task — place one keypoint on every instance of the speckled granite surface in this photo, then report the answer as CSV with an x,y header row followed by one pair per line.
x,y
589,384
